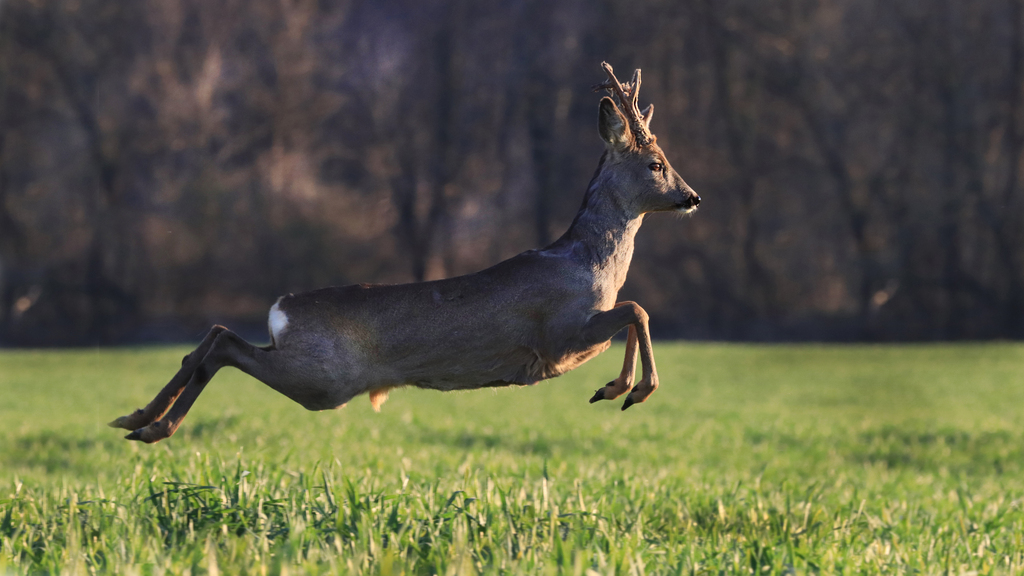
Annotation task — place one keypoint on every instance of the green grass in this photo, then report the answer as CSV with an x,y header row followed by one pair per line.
x,y
748,459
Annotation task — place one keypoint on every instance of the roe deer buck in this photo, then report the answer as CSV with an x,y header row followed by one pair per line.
x,y
529,318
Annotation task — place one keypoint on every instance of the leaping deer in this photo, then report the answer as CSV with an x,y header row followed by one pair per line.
x,y
532,317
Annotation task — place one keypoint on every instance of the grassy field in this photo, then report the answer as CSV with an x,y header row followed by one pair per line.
x,y
748,460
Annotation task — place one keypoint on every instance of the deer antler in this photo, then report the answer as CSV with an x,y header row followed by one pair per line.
x,y
627,96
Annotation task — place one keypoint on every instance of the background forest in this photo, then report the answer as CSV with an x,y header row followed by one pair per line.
x,y
166,164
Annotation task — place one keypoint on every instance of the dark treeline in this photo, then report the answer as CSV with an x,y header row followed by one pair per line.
x,y
169,163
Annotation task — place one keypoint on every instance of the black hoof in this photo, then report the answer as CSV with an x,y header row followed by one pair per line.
x,y
599,395
629,402
134,435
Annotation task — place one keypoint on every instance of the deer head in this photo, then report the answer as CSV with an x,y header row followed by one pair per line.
x,y
634,164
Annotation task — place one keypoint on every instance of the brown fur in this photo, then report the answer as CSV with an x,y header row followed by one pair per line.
x,y
379,396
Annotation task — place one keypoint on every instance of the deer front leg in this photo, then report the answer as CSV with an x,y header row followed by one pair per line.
x,y
227,349
159,405
603,326
624,382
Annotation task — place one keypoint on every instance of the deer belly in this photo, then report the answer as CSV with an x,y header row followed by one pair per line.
x,y
535,365
546,367
522,366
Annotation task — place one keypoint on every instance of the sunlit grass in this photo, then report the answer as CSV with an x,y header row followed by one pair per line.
x,y
748,459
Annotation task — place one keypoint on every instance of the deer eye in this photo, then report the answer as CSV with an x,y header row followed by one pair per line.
x,y
656,166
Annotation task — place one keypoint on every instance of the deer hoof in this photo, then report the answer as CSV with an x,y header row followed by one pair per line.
x,y
118,422
629,402
155,432
129,422
599,395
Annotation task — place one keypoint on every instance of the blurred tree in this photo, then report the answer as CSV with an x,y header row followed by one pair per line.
x,y
167,164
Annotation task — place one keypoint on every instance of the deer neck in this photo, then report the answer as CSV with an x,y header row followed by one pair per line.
x,y
601,236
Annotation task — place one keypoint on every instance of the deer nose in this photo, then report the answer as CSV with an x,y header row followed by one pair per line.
x,y
695,201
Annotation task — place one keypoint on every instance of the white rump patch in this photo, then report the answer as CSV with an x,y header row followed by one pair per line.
x,y
277,321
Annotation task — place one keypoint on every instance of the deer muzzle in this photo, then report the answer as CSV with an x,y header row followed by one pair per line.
x,y
689,204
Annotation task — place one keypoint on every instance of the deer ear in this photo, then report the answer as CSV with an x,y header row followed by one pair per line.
x,y
612,124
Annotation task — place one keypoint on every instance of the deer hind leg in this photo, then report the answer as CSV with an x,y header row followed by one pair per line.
x,y
159,405
603,326
226,349
624,382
